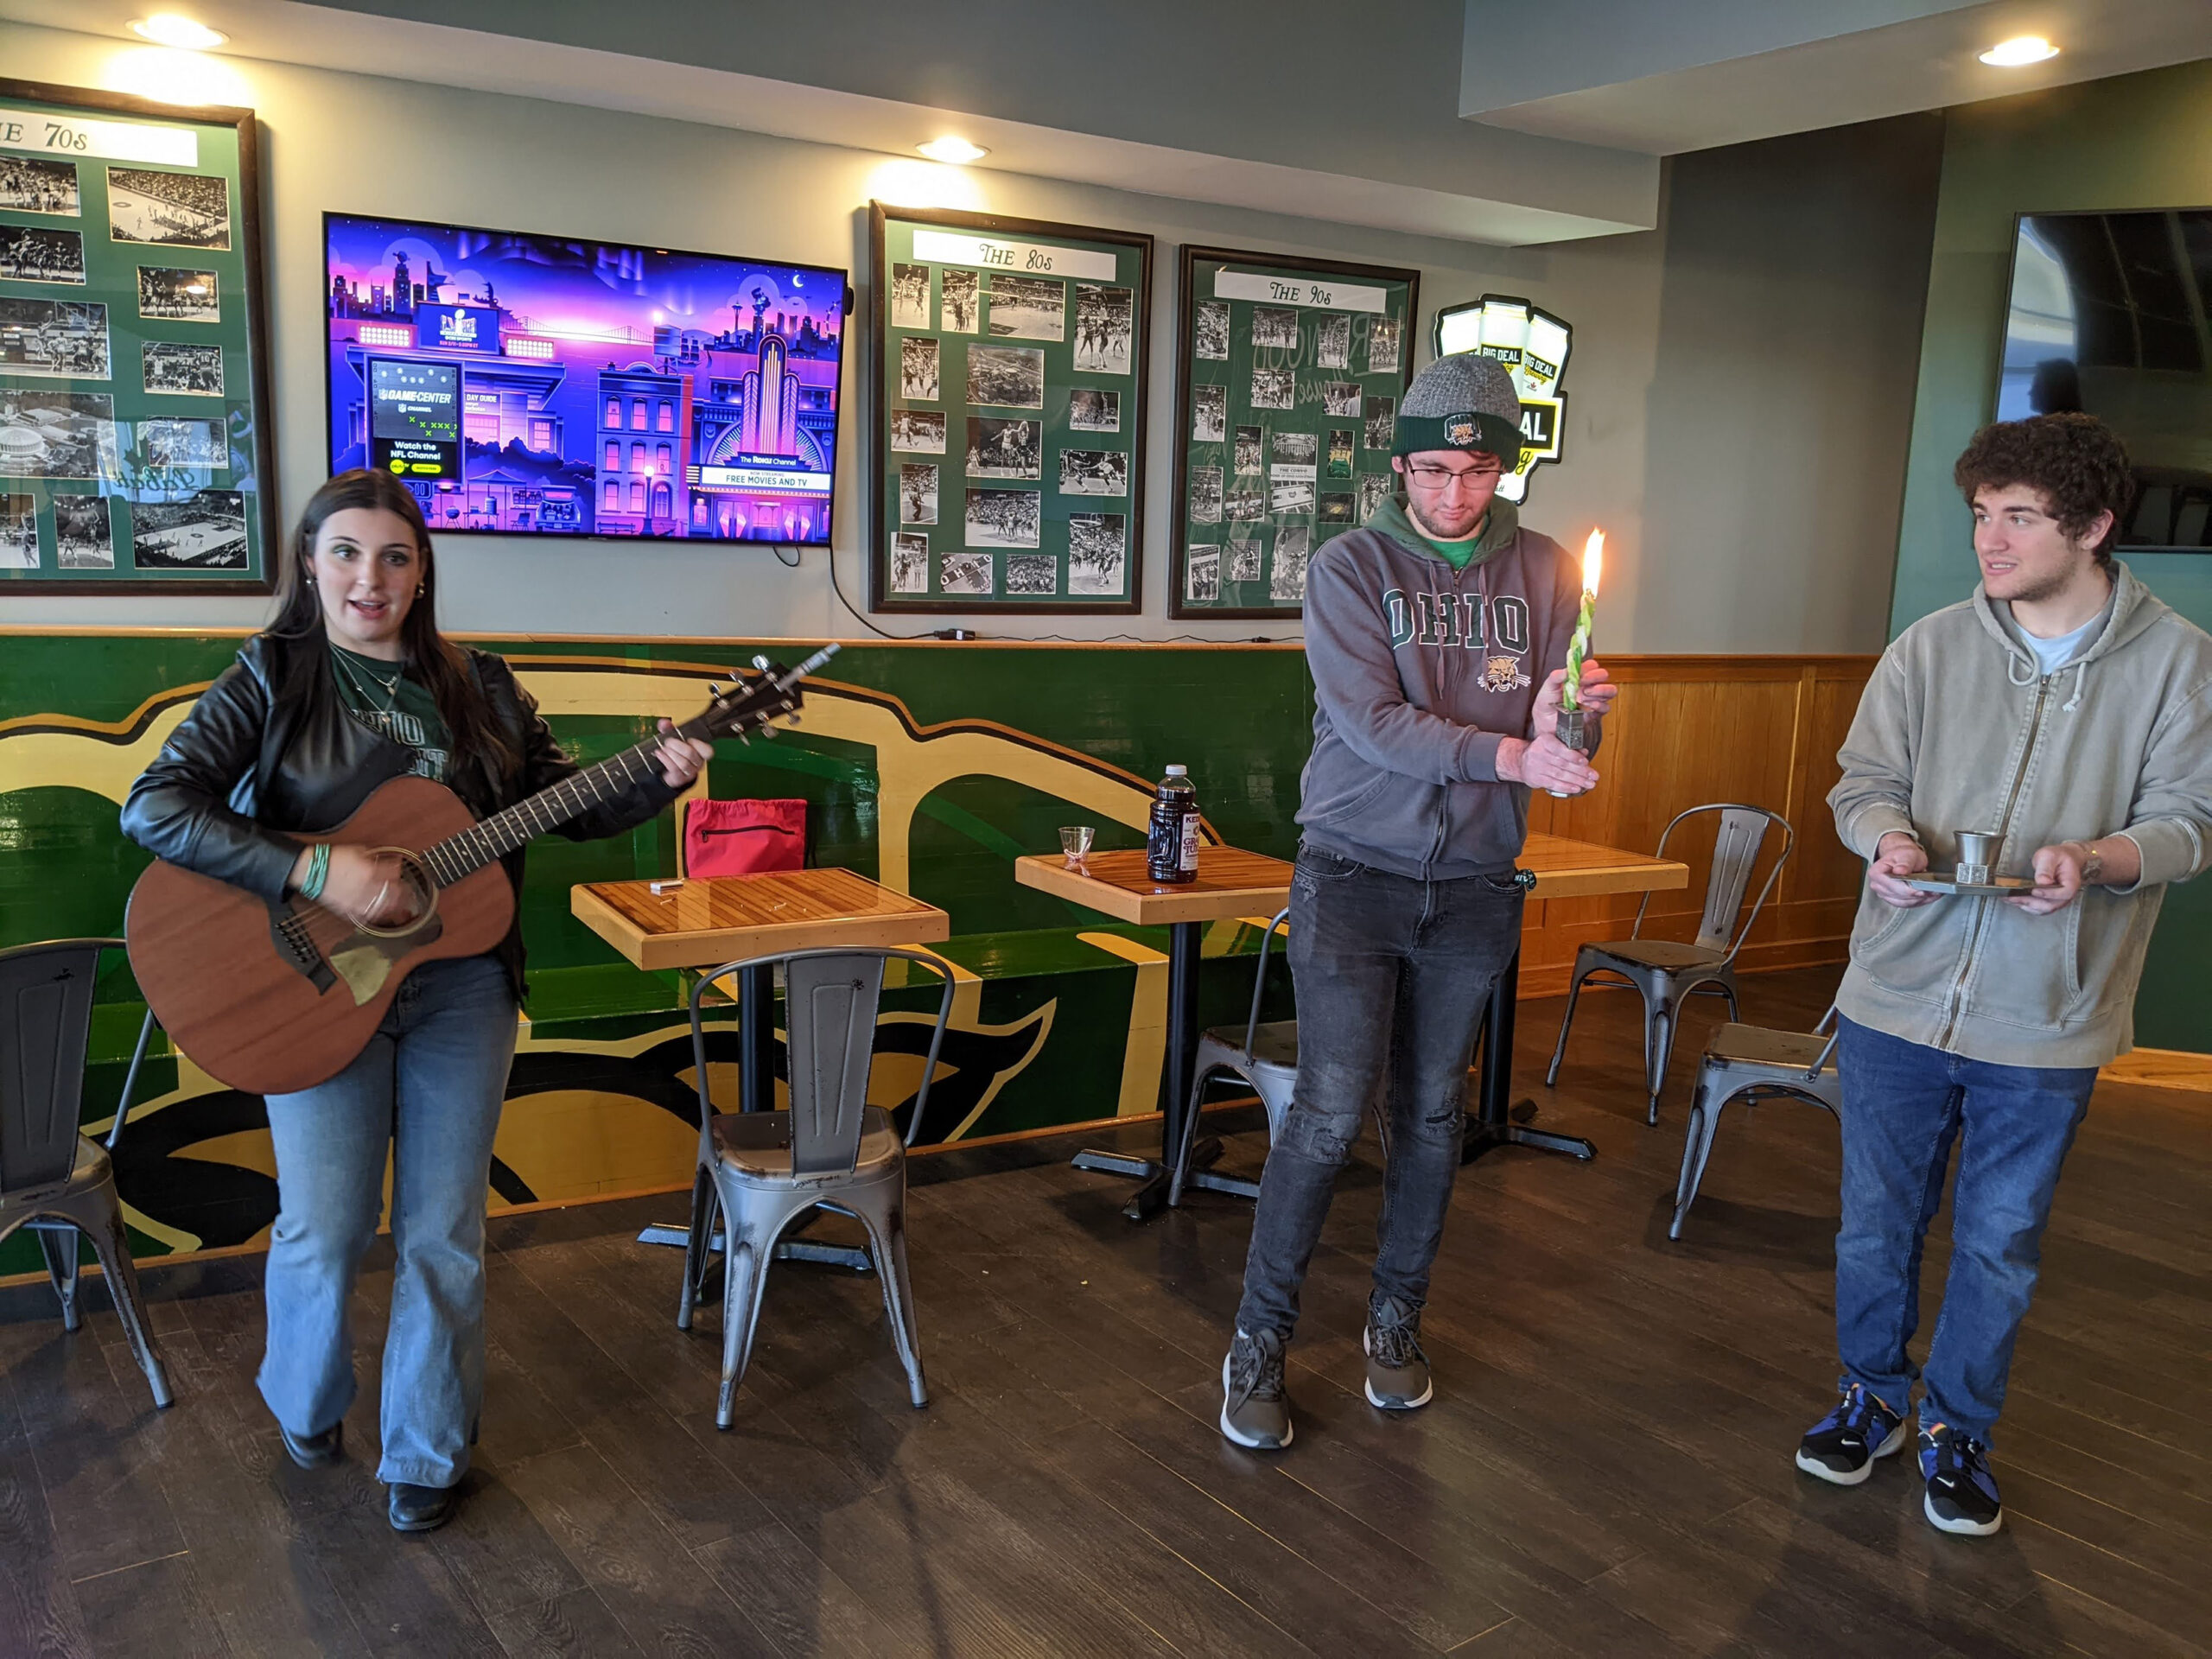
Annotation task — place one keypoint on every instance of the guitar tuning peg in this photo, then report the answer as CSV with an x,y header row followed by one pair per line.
x,y
761,663
714,691
794,719
768,731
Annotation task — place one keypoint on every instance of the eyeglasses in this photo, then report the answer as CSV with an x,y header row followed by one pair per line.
x,y
1442,478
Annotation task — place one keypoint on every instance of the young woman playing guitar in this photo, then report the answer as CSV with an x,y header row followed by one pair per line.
x,y
352,686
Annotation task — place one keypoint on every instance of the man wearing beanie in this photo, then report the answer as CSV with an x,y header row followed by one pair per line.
x,y
2064,709
1437,636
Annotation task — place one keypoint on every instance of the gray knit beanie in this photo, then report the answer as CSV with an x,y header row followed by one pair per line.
x,y
1464,401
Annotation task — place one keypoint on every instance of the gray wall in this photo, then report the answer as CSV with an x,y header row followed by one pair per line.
x,y
1693,571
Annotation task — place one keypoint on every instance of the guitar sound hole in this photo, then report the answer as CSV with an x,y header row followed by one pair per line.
x,y
415,890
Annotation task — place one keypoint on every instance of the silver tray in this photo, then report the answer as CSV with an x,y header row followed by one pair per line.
x,y
1950,886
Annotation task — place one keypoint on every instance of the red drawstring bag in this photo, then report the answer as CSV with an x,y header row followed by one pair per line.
x,y
744,837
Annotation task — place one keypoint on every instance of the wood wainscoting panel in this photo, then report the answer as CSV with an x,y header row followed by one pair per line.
x,y
1688,731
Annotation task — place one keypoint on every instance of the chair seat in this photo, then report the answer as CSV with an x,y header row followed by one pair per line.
x,y
1658,953
1275,1044
93,1168
1759,1045
757,1146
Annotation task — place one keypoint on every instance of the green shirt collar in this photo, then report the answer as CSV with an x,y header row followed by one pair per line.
x,y
1500,527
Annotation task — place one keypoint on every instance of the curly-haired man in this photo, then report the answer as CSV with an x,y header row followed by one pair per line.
x,y
2067,710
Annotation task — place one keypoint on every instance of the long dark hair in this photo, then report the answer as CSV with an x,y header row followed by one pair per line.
x,y
440,665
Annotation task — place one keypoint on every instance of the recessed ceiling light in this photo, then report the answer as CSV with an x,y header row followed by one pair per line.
x,y
2026,49
956,151
171,28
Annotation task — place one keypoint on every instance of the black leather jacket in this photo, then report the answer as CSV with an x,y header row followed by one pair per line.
x,y
270,749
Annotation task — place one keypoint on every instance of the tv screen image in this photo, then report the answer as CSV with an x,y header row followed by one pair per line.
x,y
2108,315
546,385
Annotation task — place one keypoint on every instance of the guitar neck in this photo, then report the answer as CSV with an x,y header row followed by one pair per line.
x,y
461,855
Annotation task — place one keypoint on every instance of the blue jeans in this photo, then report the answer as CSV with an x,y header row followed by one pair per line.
x,y
1904,1104
1393,977
428,1089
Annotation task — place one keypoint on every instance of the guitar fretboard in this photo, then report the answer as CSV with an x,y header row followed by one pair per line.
x,y
479,844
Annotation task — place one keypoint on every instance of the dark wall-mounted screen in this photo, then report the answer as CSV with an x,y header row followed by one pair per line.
x,y
2112,313
539,385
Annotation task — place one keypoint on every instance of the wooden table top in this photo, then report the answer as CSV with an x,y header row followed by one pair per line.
x,y
706,922
1233,883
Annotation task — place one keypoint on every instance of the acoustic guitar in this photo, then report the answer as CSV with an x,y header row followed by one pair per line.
x,y
272,998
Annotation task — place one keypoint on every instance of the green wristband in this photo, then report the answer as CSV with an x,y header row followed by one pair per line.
x,y
318,871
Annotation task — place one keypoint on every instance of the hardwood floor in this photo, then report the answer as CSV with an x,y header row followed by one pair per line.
x,y
1605,1470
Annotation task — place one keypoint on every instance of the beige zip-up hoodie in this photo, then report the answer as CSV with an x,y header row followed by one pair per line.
x,y
1960,729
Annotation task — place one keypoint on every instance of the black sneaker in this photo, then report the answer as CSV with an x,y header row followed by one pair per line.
x,y
1961,1492
1255,1411
1842,1447
1397,1371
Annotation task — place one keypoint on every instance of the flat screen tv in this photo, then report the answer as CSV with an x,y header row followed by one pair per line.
x,y
2112,313
545,385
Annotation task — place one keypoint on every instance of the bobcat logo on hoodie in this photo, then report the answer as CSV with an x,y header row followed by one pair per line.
x,y
1503,674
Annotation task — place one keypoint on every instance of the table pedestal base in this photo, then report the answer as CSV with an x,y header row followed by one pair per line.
x,y
1494,1124
1152,1198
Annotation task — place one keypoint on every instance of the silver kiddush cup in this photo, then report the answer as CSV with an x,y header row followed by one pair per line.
x,y
1977,857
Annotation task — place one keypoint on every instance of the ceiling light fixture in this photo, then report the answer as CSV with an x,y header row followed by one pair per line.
x,y
958,151
2016,52
171,28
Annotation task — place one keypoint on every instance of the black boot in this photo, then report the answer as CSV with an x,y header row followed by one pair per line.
x,y
419,1508
315,1451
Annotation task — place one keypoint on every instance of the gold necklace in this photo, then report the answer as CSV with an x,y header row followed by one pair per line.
x,y
356,672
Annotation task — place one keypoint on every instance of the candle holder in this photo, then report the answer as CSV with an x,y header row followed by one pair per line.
x,y
1569,731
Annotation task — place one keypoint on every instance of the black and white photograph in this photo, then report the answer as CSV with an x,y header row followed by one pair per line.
x,y
1026,308
1000,447
178,210
1343,454
30,253
1381,423
1383,335
1274,327
909,297
917,495
1210,331
168,446
965,573
18,533
1007,377
1286,579
1092,410
1094,472
909,564
1245,553
1104,325
917,431
1202,576
178,295
1332,342
83,538
1334,508
1374,491
206,532
918,370
1209,413
1251,451
1247,503
56,434
1097,553
182,371
1289,497
1274,388
1295,451
56,339
1341,397
1032,575
957,303
31,184
1005,517
1205,495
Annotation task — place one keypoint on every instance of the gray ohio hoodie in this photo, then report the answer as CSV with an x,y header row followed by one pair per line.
x,y
1959,728
1418,670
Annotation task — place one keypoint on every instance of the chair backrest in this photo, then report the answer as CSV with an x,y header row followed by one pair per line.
x,y
1260,976
831,999
1736,844
46,1015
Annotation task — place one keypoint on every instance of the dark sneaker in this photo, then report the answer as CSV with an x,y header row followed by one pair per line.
x,y
314,1451
418,1509
1255,1411
1842,1447
1961,1492
1397,1371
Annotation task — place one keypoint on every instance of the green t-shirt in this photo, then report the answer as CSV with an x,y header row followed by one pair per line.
x,y
1458,554
380,695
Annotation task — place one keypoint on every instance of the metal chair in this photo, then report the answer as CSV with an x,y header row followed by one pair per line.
x,y
1665,972
53,1179
1266,1058
1752,1063
762,1170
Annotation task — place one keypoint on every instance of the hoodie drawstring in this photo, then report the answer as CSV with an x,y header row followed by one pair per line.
x,y
2012,660
2080,676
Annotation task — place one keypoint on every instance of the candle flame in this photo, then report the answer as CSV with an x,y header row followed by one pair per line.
x,y
1594,560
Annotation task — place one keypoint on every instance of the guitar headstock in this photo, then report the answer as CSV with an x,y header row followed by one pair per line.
x,y
770,694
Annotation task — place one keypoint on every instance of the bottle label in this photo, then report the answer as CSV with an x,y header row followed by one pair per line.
x,y
1190,848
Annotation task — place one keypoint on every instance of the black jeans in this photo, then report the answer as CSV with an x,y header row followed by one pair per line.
x,y
1392,976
